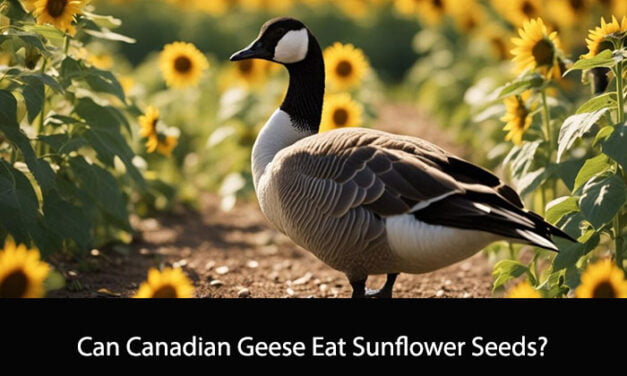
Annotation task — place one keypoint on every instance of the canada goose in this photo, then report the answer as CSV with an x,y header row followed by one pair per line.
x,y
365,201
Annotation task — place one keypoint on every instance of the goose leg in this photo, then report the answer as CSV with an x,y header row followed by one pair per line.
x,y
386,291
359,288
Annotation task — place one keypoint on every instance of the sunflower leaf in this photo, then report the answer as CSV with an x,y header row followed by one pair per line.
x,y
602,198
18,202
603,59
558,208
615,145
571,252
110,35
520,86
34,97
591,168
575,127
602,101
505,270
67,220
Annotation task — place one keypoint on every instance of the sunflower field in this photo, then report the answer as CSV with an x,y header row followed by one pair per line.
x,y
112,111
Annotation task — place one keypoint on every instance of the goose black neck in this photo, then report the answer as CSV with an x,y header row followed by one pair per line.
x,y
303,102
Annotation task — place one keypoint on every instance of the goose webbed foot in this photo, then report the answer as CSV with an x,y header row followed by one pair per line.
x,y
360,290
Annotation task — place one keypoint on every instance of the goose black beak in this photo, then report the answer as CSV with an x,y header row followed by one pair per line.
x,y
255,51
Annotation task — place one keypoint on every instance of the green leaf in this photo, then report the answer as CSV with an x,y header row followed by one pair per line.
x,y
616,145
104,189
105,137
18,202
594,104
505,270
110,35
568,170
520,158
570,252
520,86
559,207
591,168
602,199
105,82
67,220
44,79
603,59
53,35
532,180
108,22
575,127
62,143
603,134
34,97
8,125
54,281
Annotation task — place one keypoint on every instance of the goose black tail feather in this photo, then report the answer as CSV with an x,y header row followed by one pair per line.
x,y
491,213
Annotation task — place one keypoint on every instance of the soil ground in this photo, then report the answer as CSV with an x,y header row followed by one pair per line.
x,y
237,253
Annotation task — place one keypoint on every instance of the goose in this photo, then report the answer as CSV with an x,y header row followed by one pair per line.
x,y
367,202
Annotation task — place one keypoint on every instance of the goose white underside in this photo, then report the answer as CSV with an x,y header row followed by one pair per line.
x,y
422,247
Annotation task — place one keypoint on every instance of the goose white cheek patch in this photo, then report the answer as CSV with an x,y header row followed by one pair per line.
x,y
293,47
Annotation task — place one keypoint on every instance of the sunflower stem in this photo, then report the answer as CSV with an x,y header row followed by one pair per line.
x,y
550,138
42,117
620,95
66,44
618,242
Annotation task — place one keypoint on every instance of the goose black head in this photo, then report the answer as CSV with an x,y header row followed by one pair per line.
x,y
283,40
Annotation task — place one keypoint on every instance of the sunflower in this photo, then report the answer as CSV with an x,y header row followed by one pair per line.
x,y
520,11
22,274
568,12
249,73
128,84
346,65
163,142
58,13
101,61
517,119
596,38
340,111
468,14
182,64
29,5
272,6
537,49
523,290
602,279
169,283
498,39
429,11
148,122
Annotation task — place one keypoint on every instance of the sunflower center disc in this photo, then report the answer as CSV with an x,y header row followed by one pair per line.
x,y
182,64
55,8
14,285
340,117
528,9
438,4
604,290
577,4
543,53
245,66
165,292
344,68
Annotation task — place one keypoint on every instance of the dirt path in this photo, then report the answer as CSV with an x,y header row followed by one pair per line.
x,y
237,254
